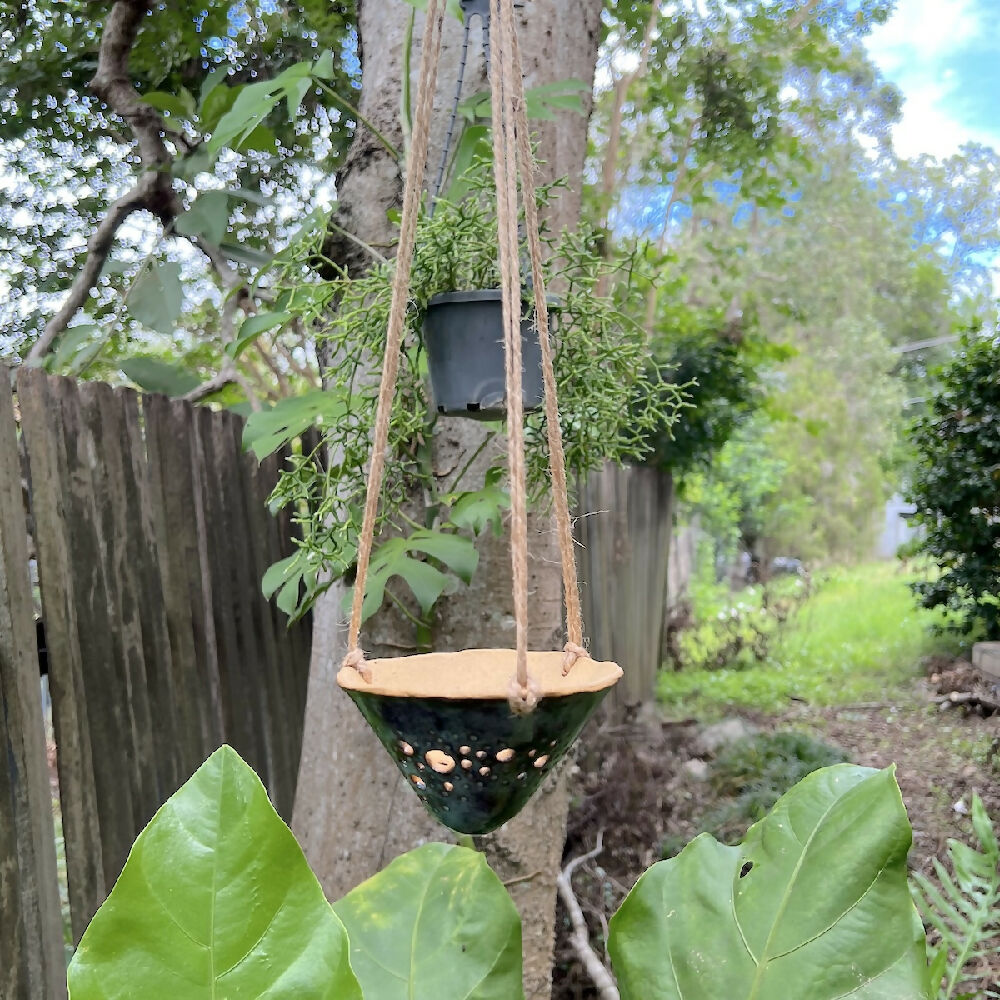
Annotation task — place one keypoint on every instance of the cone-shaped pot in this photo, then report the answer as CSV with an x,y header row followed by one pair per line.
x,y
445,721
463,334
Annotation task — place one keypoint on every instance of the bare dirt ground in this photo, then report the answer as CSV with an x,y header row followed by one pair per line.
x,y
642,784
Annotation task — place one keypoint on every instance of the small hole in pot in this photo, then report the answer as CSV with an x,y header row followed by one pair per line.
x,y
484,771
465,751
420,766
542,761
440,761
467,764
532,754
406,748
480,754
418,781
505,755
522,776
449,787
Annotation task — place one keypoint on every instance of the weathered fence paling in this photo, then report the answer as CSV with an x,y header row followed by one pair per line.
x,y
625,539
31,949
151,536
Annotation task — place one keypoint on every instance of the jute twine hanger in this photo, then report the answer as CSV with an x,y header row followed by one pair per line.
x,y
512,159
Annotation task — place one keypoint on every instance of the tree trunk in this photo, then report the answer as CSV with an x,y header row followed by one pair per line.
x,y
352,812
625,539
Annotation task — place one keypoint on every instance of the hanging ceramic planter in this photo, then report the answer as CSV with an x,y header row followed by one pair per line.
x,y
444,718
464,337
476,732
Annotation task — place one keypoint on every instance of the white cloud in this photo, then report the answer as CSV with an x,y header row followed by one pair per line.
x,y
913,49
923,31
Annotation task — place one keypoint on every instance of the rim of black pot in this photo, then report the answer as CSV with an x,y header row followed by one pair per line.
x,y
483,294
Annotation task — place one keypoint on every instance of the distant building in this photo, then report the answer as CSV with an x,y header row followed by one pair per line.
x,y
898,527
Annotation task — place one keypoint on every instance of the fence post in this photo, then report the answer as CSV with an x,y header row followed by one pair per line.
x,y
32,958
624,530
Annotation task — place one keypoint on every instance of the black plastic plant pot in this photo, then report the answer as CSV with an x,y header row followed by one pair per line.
x,y
471,760
463,334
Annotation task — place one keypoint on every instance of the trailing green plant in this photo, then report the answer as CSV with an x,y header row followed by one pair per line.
x,y
216,899
963,908
602,370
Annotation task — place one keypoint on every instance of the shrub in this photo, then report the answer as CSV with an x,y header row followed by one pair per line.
x,y
956,475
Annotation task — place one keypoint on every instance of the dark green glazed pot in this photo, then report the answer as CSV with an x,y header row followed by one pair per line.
x,y
473,762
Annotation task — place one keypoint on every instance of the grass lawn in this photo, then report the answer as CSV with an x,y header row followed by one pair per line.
x,y
858,637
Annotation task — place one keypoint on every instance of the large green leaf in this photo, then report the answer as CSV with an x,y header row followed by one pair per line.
x,y
216,901
156,375
254,103
252,327
479,509
813,905
156,296
437,924
268,430
208,217
457,553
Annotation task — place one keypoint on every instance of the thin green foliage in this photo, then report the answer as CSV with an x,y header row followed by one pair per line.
x,y
963,907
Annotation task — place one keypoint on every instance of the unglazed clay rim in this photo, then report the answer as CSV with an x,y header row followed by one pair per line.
x,y
477,674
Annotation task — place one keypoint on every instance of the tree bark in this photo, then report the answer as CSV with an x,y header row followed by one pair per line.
x,y
353,813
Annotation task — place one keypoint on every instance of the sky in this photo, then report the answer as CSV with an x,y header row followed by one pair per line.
x,y
944,55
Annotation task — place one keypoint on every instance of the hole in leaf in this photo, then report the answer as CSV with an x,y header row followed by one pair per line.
x,y
746,869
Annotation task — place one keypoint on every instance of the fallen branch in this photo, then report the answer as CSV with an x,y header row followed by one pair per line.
x,y
580,938
969,699
98,248
227,376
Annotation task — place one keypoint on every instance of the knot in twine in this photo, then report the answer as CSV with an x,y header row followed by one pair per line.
x,y
356,659
571,653
523,699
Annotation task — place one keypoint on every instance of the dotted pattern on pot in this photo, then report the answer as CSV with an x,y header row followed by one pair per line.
x,y
473,763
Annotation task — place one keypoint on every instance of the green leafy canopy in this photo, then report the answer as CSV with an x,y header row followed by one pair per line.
x,y
602,368
954,484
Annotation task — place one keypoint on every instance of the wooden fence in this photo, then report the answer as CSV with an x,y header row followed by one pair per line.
x,y
151,535
625,543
